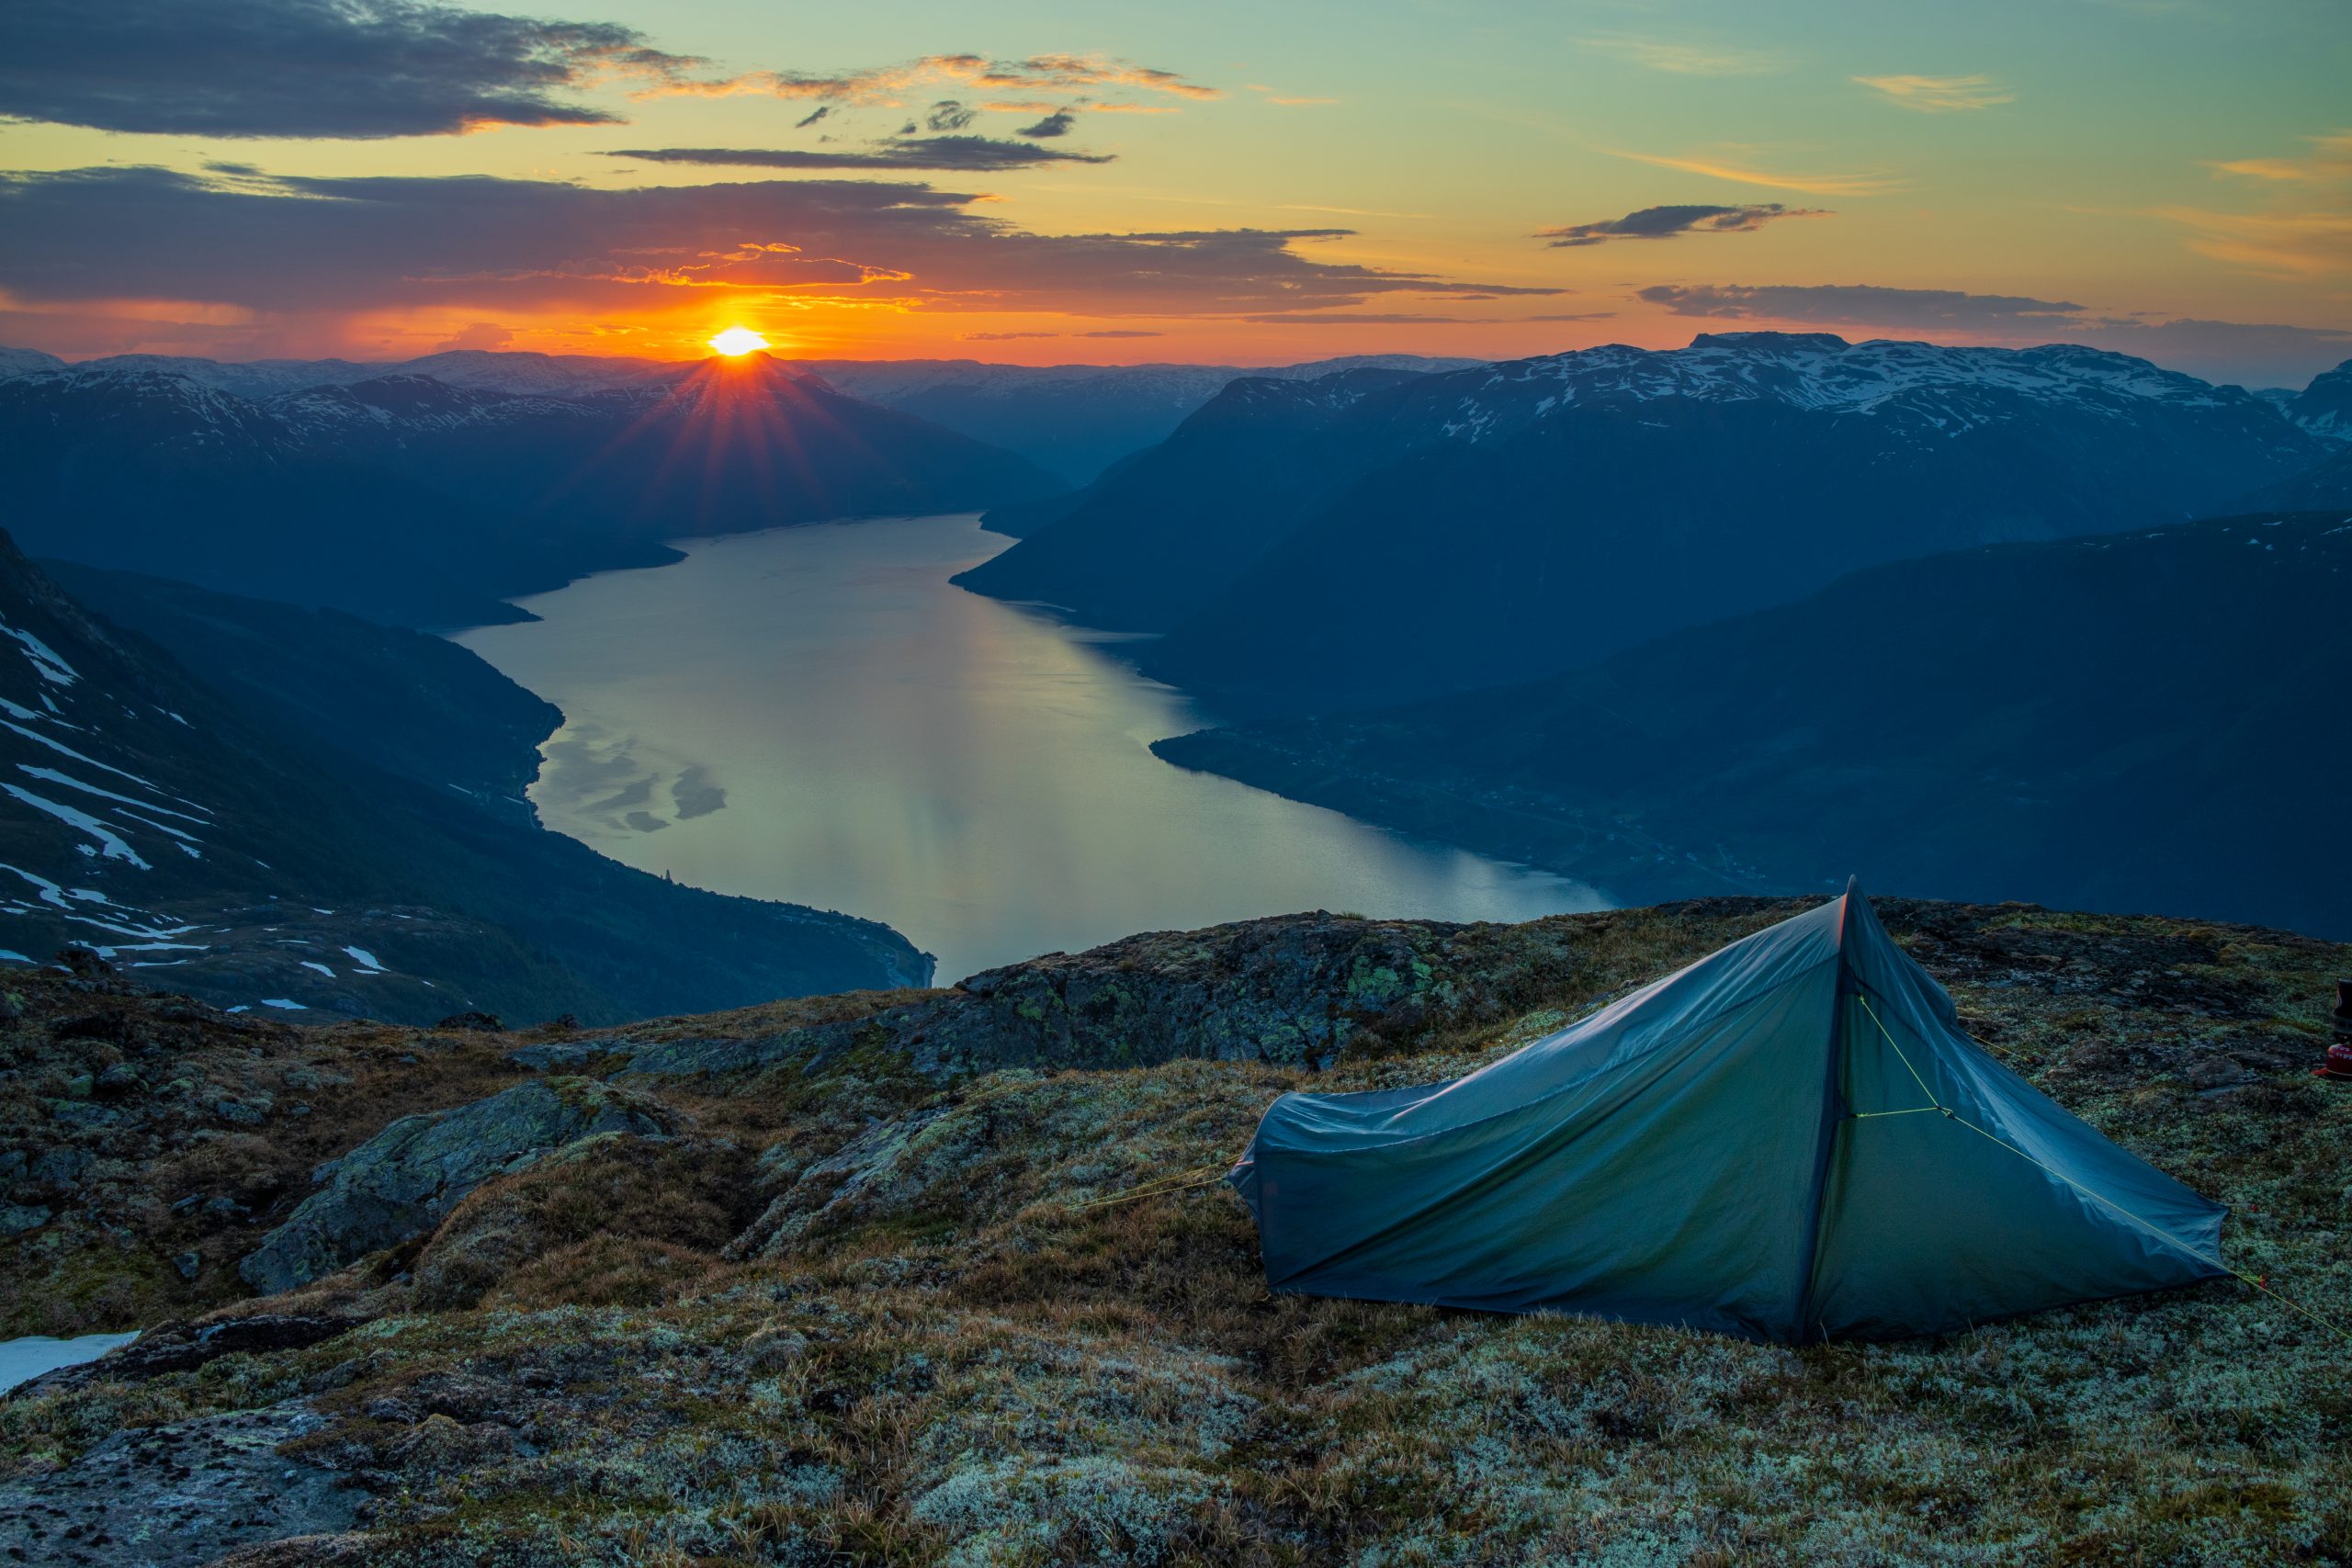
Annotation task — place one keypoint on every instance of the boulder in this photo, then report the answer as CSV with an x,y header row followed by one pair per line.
x,y
401,1183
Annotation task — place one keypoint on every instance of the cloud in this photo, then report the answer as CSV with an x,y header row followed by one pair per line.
x,y
819,112
1938,95
2252,354
1867,183
964,153
477,334
1863,304
1665,222
307,68
1107,332
882,83
2281,243
1057,123
2328,162
948,114
491,246
1686,59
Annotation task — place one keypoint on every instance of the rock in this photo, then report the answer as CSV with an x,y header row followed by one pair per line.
x,y
84,961
62,1168
239,1112
189,1264
773,1349
79,1086
12,1007
178,1496
120,1079
16,1219
474,1023
401,1183
184,1347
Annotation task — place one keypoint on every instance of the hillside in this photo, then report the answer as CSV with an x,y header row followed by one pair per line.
x,y
1454,530
446,499
830,1279
335,827
2136,722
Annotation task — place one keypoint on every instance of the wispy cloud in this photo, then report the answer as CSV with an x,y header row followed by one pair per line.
x,y
2328,161
1682,58
1873,182
883,83
971,153
1665,222
2304,226
2284,244
1939,95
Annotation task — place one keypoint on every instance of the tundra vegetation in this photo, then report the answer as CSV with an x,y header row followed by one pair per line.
x,y
835,1280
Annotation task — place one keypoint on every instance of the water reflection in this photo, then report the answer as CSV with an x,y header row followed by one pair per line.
x,y
814,714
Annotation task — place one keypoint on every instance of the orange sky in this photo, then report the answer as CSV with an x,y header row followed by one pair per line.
x,y
1229,183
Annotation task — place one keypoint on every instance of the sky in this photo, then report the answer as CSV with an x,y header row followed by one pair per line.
x,y
1211,182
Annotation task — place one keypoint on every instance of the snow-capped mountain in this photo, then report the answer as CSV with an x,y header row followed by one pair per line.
x,y
409,500
1929,389
1493,522
2323,409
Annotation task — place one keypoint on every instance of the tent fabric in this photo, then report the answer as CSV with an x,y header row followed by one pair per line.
x,y
1789,1140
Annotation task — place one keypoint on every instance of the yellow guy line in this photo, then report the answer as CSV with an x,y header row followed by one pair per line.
x,y
2154,1230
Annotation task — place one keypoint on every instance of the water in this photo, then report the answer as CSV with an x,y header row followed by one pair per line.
x,y
816,715
22,1361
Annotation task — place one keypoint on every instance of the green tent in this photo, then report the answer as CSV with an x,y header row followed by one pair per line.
x,y
1792,1139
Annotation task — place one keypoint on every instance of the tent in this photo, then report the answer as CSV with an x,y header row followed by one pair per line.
x,y
1792,1139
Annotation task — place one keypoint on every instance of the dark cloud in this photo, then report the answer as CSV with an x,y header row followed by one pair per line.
x,y
1863,304
1665,222
819,112
306,68
476,242
1057,123
965,153
949,114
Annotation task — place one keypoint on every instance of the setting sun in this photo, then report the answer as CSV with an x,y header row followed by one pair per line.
x,y
738,340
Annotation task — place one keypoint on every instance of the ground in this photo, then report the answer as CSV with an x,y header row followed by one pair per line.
x,y
861,1298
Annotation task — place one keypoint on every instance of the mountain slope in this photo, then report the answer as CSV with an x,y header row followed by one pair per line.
x,y
794,1306
233,843
1074,420
2325,408
406,500
1471,528
1168,529
2132,722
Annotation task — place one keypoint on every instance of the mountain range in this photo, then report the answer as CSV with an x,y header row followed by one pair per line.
x,y
1371,536
2137,721
277,807
413,501
1071,420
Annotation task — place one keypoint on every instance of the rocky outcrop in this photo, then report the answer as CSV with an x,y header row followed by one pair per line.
x,y
400,1183
178,1496
1290,990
